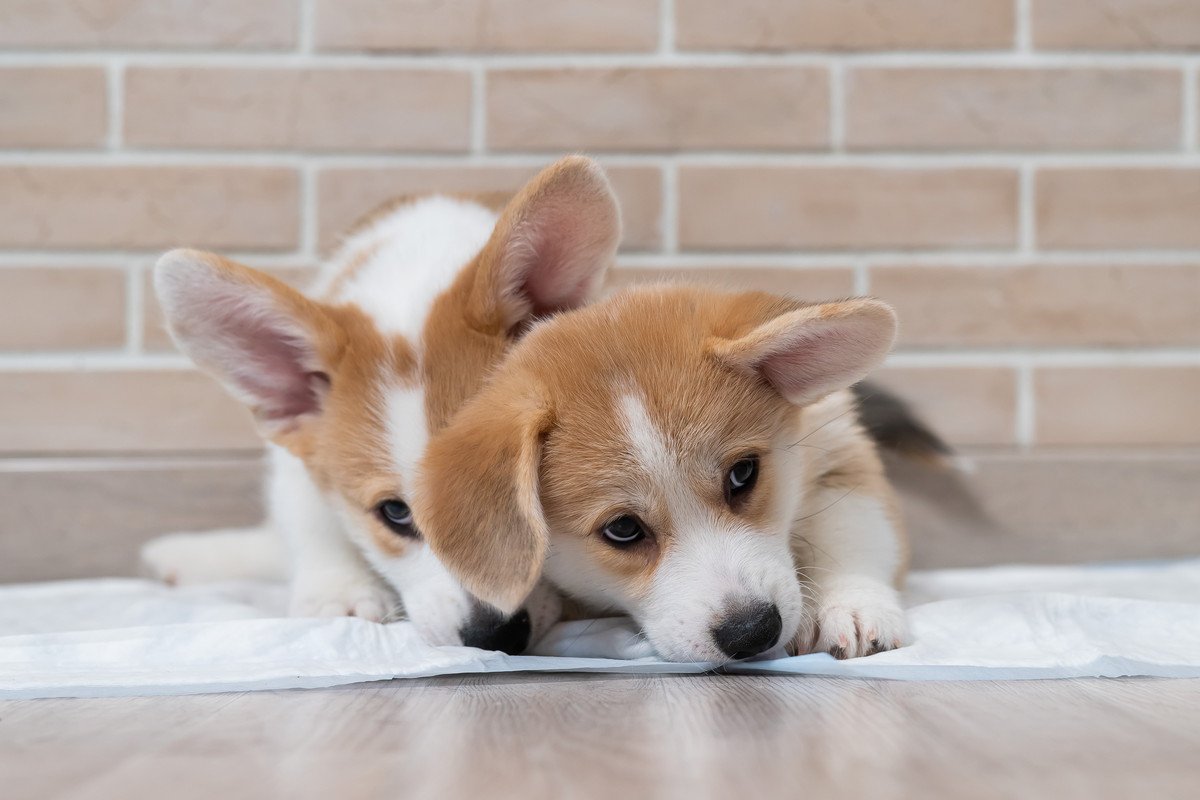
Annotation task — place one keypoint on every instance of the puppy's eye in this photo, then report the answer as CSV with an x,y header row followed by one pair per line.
x,y
741,478
398,516
623,531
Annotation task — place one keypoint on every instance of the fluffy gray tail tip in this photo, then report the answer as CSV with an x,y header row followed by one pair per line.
x,y
894,426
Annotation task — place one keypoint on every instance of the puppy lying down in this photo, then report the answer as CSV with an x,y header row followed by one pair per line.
x,y
346,383
691,457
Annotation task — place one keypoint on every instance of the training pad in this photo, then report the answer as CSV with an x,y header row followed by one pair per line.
x,y
134,637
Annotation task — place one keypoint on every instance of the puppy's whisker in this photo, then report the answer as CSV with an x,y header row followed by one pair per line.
x,y
800,443
586,628
846,494
813,567
852,409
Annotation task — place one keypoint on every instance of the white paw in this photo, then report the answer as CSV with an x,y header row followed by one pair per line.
x,y
181,559
855,616
221,555
341,595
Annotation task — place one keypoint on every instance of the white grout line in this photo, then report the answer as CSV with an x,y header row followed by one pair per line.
x,y
135,316
19,259
916,258
88,362
478,111
307,23
1190,106
309,245
662,55
837,108
136,462
666,28
897,160
1050,357
670,207
1026,210
999,259
116,103
1025,407
217,459
117,360
862,279
1024,27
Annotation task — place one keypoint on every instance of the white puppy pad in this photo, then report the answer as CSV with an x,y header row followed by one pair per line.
x,y
134,637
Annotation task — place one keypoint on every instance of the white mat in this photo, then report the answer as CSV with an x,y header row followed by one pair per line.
x,y
131,637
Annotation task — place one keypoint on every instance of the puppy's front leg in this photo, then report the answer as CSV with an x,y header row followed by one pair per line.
x,y
849,555
329,578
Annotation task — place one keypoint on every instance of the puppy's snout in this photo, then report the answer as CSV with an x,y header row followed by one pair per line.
x,y
749,630
488,629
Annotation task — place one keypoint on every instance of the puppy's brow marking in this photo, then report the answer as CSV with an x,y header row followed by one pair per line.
x,y
648,444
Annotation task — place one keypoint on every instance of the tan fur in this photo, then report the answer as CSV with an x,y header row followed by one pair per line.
x,y
474,321
352,265
345,446
503,504
561,387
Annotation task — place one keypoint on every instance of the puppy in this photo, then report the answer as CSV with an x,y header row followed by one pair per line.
x,y
348,382
690,457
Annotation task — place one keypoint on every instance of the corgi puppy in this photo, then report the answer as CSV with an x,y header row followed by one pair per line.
x,y
348,382
687,456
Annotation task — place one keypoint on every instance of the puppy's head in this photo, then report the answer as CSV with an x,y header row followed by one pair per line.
x,y
354,384
641,450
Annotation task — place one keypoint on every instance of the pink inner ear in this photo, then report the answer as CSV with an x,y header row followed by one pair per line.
x,y
817,358
274,374
806,362
560,252
266,356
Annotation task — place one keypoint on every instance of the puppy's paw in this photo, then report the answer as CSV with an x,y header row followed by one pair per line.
x,y
338,594
854,617
183,559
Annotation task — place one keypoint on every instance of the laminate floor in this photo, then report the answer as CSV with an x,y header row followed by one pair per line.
x,y
606,736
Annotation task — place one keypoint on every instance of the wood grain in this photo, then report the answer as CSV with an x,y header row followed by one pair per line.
x,y
582,736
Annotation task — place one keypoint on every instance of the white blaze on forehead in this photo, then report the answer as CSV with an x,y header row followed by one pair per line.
x,y
647,442
661,465
419,249
406,430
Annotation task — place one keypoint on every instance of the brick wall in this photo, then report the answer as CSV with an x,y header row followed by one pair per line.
x,y
1020,177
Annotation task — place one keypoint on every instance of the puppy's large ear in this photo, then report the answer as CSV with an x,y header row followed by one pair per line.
x,y
808,352
477,499
259,337
551,247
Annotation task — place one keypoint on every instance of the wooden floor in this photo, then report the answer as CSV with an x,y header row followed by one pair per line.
x,y
571,736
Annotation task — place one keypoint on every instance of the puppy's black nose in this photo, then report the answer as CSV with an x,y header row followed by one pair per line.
x,y
487,629
749,630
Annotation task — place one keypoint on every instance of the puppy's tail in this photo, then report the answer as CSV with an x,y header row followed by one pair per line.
x,y
894,426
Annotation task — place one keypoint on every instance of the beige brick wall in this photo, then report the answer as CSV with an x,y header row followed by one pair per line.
x,y
1021,178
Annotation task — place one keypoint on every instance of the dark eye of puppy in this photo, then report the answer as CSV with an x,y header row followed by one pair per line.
x,y
741,479
398,516
623,531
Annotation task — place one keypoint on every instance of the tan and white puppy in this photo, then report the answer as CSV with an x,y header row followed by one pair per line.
x,y
687,456
348,382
